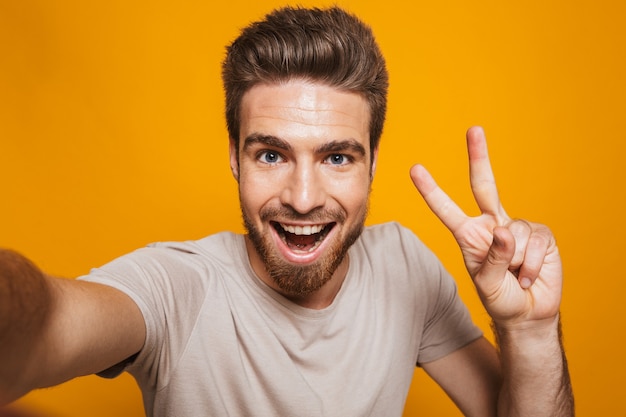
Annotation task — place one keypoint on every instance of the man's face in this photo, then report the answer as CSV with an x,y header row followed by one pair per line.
x,y
304,177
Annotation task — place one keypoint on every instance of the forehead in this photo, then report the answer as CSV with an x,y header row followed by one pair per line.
x,y
301,109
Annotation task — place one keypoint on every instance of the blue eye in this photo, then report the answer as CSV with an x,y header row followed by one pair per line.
x,y
337,159
270,157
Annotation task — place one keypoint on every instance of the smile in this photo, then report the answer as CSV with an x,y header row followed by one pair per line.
x,y
303,239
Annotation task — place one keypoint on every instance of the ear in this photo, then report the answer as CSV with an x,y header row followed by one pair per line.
x,y
374,160
234,163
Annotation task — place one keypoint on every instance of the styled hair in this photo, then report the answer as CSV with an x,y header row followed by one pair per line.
x,y
329,46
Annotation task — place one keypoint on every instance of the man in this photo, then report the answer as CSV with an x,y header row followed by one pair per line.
x,y
309,313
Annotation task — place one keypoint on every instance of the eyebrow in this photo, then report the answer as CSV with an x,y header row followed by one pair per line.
x,y
268,140
351,145
341,146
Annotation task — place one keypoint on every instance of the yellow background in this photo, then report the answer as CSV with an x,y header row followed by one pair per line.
x,y
112,136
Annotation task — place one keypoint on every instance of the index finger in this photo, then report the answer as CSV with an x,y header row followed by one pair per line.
x,y
439,202
482,180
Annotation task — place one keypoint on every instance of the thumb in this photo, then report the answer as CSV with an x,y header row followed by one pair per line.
x,y
489,277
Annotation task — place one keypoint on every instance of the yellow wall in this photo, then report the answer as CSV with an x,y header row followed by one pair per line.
x,y
112,136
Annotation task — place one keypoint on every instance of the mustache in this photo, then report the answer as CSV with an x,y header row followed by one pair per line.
x,y
317,215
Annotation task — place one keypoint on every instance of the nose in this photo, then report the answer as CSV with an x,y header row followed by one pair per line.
x,y
304,190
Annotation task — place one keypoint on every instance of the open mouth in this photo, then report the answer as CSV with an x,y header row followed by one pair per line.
x,y
302,238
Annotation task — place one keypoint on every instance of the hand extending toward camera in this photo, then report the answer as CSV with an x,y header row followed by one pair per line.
x,y
515,264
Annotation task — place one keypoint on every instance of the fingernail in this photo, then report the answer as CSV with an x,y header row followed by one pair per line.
x,y
525,282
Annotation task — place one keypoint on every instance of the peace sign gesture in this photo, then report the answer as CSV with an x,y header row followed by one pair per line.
x,y
515,264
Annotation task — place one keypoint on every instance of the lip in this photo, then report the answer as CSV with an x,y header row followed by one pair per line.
x,y
302,258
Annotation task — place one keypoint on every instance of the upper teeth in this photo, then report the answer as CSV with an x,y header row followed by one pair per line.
x,y
303,230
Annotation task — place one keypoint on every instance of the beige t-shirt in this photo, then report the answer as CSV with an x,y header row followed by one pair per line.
x,y
221,343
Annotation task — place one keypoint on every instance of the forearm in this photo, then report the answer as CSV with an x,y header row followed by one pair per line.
x,y
536,379
24,304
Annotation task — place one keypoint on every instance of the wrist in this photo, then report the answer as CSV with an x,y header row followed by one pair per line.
x,y
534,368
531,343
516,329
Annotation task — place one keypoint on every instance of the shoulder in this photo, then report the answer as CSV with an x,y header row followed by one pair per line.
x,y
393,252
220,245
172,267
395,241
171,283
387,234
167,255
390,251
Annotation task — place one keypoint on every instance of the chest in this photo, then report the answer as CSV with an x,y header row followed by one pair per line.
x,y
263,359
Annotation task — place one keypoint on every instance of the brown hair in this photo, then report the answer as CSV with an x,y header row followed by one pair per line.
x,y
330,46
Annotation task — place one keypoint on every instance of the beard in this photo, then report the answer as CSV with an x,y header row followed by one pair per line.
x,y
301,280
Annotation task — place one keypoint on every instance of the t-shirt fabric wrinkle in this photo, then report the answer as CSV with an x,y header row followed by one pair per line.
x,y
220,342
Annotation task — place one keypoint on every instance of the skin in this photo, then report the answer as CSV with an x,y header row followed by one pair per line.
x,y
514,264
516,268
65,343
304,158
301,118
316,171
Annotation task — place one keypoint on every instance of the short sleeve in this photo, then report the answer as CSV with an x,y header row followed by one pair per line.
x,y
167,284
445,320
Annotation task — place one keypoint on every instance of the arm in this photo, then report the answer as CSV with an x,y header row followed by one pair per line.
x,y
535,356
24,306
516,268
471,377
52,330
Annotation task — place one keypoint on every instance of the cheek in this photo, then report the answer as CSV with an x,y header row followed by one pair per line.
x,y
353,195
254,193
